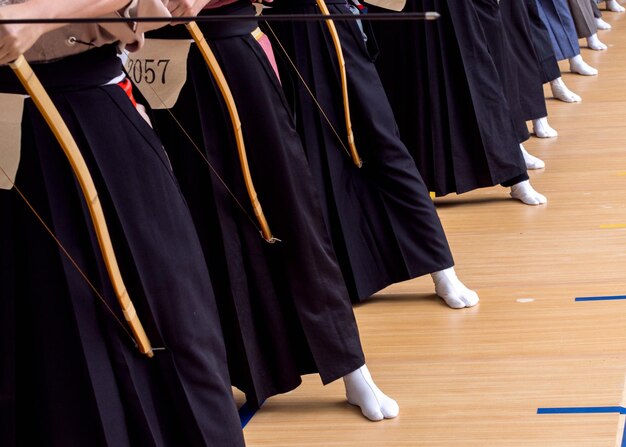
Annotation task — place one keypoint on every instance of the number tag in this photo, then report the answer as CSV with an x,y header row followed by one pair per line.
x,y
159,70
394,5
11,109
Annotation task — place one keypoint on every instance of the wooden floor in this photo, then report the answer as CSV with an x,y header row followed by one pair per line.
x,y
476,377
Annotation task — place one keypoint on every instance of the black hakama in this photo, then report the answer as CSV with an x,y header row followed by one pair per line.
x,y
284,307
7,332
499,45
448,98
546,59
78,380
384,226
516,23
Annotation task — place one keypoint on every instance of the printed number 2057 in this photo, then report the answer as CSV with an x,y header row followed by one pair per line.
x,y
147,70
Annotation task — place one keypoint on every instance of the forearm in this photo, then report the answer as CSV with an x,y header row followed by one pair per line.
x,y
16,39
62,9
74,8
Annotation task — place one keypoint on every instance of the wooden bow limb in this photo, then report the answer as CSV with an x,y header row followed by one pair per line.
x,y
218,74
52,116
344,83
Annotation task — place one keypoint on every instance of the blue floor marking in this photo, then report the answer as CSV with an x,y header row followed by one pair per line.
x,y
601,298
587,410
581,410
246,413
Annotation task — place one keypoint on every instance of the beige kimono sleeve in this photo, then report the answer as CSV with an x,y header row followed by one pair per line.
x,y
77,38
131,34
394,5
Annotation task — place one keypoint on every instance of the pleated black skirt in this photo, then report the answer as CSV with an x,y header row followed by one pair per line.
x,y
284,307
448,98
546,59
75,377
518,30
383,223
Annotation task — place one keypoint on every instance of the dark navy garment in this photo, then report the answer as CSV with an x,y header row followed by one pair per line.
x,y
546,59
558,19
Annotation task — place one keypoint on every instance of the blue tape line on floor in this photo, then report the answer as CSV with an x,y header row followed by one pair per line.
x,y
601,298
246,413
581,410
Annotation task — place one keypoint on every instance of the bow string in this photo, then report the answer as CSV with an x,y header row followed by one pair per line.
x,y
63,135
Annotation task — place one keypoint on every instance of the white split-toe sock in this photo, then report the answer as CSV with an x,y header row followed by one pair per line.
x,y
562,93
613,5
450,288
363,392
542,129
594,43
524,192
532,162
601,24
578,65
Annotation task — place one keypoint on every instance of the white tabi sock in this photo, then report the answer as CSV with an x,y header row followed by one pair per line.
x,y
532,162
542,129
526,193
363,392
594,43
449,288
578,65
601,24
613,5
562,93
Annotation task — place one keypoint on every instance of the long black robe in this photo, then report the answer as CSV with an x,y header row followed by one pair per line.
x,y
383,223
505,60
546,59
78,379
448,99
284,307
516,23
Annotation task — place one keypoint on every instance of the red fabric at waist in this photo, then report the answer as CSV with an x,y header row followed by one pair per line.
x,y
128,89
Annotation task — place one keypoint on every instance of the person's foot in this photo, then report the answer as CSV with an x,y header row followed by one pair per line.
x,y
525,193
542,129
578,65
562,93
613,5
601,24
594,43
450,289
532,162
363,392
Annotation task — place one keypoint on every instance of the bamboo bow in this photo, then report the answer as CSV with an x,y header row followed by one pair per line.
x,y
52,116
217,73
344,83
